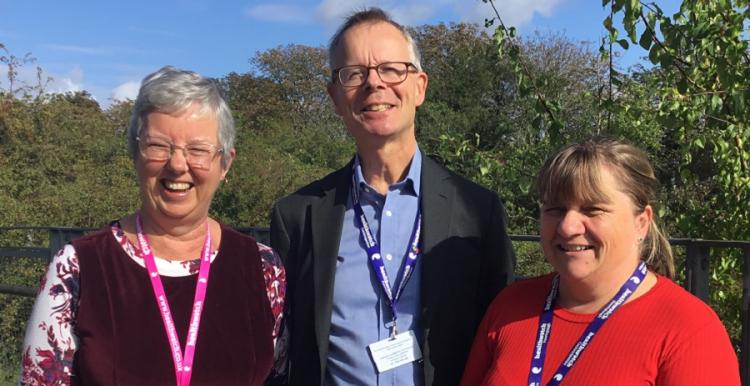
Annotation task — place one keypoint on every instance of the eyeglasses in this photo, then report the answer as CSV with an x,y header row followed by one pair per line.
x,y
389,72
197,155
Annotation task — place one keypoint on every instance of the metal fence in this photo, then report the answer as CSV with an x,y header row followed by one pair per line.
x,y
697,272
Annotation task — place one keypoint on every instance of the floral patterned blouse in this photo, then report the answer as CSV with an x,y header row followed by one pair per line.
x,y
50,342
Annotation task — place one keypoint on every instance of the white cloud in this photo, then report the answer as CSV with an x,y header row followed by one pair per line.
x,y
27,77
278,13
85,50
70,82
127,90
417,12
73,49
513,12
152,32
334,11
412,14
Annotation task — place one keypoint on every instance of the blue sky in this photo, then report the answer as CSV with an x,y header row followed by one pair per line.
x,y
107,47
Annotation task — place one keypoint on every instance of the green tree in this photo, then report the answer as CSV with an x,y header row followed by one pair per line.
x,y
703,69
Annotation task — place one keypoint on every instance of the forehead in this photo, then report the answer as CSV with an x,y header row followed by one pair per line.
x,y
193,121
595,184
372,43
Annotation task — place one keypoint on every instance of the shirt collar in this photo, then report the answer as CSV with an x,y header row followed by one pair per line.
x,y
411,183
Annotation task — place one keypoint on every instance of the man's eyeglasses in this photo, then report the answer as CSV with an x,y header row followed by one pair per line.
x,y
389,72
197,155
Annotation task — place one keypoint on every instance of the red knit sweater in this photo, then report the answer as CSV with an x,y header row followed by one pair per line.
x,y
665,337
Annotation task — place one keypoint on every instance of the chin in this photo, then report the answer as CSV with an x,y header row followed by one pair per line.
x,y
573,269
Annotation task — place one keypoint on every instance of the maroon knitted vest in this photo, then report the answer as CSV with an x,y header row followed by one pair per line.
x,y
121,335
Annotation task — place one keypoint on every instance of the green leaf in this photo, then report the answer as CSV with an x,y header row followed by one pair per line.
x,y
716,102
646,39
738,99
653,54
682,86
666,60
623,43
617,5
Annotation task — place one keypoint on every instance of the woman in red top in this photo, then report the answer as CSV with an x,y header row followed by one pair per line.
x,y
610,313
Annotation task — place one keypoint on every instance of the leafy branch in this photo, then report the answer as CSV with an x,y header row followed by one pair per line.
x,y
546,118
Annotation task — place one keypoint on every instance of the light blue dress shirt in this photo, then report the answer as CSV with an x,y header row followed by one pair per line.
x,y
361,313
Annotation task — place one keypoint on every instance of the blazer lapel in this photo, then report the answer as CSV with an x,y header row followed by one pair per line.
x,y
327,218
437,206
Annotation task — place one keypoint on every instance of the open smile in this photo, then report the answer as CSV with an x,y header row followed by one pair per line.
x,y
573,247
377,107
176,186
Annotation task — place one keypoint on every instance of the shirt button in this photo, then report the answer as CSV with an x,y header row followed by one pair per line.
x,y
388,213
389,257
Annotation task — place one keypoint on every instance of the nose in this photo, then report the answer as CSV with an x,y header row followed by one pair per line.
x,y
178,159
373,79
571,224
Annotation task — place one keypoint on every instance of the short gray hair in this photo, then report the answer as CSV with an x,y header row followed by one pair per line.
x,y
170,90
372,15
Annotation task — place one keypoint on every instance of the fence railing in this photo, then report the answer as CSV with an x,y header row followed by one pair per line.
x,y
697,273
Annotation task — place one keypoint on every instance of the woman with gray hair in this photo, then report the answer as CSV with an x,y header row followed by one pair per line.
x,y
166,295
609,314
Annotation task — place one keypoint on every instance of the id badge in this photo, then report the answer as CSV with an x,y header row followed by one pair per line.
x,y
395,351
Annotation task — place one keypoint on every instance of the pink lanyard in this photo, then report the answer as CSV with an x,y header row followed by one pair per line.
x,y
183,366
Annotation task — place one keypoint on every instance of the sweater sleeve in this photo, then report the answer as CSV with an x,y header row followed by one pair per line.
x,y
702,357
50,342
275,280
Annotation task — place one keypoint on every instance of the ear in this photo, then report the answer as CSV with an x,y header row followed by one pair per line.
x,y
232,154
331,89
421,85
643,221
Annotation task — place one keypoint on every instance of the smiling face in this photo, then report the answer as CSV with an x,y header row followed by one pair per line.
x,y
376,110
172,190
595,241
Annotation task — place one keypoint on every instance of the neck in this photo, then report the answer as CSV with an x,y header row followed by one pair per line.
x,y
589,296
387,164
175,240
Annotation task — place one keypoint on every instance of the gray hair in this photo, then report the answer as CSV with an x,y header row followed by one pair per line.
x,y
171,90
373,15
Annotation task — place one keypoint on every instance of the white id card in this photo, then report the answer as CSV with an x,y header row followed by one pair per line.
x,y
393,352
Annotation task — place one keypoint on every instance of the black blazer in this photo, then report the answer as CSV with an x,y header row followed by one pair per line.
x,y
467,258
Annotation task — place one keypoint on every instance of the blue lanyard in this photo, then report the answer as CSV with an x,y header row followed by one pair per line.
x,y
376,260
545,328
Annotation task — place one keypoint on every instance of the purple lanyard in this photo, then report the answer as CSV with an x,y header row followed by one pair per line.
x,y
545,327
183,366
373,254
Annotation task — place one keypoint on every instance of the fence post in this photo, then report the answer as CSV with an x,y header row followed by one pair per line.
x,y
696,269
58,237
745,343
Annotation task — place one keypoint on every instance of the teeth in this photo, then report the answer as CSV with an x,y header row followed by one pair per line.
x,y
575,248
177,185
378,107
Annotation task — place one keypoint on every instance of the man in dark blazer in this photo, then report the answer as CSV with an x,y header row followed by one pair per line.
x,y
337,304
